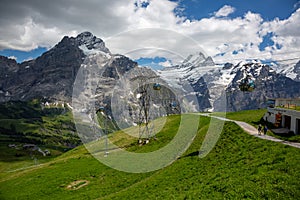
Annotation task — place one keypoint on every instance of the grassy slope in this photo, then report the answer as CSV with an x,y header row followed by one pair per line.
x,y
240,166
30,123
21,123
252,117
27,122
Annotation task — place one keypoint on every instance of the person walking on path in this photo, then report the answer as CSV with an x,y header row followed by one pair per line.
x,y
259,129
265,130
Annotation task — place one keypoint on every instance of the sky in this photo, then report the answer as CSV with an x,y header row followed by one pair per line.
x,y
160,32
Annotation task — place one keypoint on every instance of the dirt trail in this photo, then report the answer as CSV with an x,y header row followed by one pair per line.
x,y
253,131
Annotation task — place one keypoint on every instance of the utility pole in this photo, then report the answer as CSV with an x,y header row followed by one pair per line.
x,y
144,97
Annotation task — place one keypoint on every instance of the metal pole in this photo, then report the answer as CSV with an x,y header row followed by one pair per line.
x,y
105,132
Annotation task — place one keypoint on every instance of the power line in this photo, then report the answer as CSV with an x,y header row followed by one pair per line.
x,y
272,55
265,61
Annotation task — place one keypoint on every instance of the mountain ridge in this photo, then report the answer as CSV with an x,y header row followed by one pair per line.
x,y
51,76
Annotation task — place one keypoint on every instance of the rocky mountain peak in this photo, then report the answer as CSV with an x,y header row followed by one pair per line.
x,y
85,36
208,62
91,42
8,64
297,68
194,59
52,74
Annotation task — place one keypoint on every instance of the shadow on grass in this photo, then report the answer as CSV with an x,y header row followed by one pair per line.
x,y
195,153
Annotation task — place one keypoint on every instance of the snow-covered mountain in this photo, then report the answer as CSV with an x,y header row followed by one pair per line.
x,y
191,72
291,71
212,83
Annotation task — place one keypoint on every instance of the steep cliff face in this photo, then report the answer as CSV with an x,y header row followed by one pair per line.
x,y
51,76
8,70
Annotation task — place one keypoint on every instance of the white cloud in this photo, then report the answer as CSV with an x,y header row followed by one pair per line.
x,y
27,59
35,35
12,57
297,5
140,31
224,11
167,63
286,35
153,42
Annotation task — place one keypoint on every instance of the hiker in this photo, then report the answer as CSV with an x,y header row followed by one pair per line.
x,y
259,129
265,130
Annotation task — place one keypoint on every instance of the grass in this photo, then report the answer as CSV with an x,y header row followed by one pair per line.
x,y
239,167
253,117
287,137
167,131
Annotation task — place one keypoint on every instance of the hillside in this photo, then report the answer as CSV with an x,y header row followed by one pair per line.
x,y
28,130
240,166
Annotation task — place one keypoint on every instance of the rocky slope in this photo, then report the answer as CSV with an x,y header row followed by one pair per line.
x,y
51,76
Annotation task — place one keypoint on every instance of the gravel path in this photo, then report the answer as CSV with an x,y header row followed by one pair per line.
x,y
253,131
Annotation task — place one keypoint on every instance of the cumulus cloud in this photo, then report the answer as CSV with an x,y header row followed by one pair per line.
x,y
286,36
297,5
146,28
224,11
28,24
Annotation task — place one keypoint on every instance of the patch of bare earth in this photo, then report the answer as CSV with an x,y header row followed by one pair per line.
x,y
77,184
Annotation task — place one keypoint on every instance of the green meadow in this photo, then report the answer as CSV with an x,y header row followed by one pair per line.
x,y
240,166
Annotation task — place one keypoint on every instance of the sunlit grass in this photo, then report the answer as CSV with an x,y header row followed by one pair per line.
x,y
240,166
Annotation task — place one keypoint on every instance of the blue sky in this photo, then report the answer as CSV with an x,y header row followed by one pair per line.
x,y
269,9
154,63
226,30
21,56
